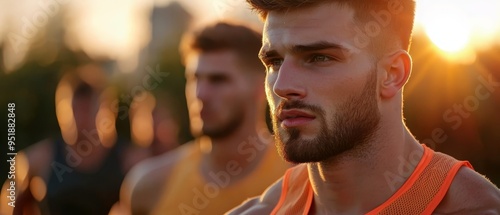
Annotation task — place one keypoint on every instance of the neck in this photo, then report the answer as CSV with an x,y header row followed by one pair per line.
x,y
358,181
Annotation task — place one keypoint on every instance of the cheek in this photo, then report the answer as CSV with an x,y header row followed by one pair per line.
x,y
332,96
334,90
270,95
228,98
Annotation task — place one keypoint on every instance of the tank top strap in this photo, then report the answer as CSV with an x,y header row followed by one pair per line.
x,y
420,194
425,191
296,193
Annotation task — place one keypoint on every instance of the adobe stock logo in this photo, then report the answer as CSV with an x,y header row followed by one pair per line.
x,y
222,7
30,27
405,167
455,115
373,28
150,81
381,19
74,157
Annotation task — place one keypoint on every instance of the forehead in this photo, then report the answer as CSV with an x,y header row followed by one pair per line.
x,y
209,63
328,22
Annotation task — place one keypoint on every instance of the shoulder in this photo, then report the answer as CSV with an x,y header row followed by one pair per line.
x,y
143,184
263,204
470,193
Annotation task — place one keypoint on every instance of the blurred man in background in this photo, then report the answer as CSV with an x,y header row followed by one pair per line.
x,y
233,157
79,172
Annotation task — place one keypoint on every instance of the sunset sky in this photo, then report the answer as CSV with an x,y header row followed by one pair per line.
x,y
454,26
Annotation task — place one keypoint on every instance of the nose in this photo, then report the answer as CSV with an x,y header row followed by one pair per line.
x,y
289,82
196,90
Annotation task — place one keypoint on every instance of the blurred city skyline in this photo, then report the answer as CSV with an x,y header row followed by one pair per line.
x,y
123,27
457,28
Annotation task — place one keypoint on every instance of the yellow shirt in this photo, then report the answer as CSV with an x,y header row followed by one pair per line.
x,y
187,191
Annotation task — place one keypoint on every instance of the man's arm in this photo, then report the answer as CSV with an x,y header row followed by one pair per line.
x,y
470,193
263,204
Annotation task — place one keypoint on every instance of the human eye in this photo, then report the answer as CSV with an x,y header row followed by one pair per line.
x,y
318,58
218,79
273,64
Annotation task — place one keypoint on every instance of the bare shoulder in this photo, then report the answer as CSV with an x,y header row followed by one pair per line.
x,y
263,204
143,184
470,193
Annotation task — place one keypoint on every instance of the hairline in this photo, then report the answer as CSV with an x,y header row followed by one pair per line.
x,y
373,47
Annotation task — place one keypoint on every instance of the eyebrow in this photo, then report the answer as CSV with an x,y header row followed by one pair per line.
x,y
316,46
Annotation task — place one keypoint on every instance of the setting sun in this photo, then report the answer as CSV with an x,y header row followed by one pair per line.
x,y
457,27
450,31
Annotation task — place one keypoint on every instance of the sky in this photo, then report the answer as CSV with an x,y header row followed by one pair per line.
x,y
119,29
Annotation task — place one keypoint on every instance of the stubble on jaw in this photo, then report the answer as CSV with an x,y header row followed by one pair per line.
x,y
352,128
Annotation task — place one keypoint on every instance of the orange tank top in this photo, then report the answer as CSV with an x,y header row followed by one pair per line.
x,y
420,194
187,191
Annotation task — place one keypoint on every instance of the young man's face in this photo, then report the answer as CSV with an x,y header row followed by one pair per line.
x,y
218,93
322,89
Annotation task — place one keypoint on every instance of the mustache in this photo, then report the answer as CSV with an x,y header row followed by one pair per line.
x,y
297,104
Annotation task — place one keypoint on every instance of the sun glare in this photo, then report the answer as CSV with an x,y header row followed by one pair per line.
x,y
459,27
449,33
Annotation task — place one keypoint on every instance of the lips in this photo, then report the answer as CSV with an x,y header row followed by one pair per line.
x,y
294,118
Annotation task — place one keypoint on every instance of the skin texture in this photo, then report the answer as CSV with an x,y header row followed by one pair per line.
x,y
226,106
350,181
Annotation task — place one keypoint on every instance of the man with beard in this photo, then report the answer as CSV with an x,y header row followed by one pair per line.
x,y
335,73
233,157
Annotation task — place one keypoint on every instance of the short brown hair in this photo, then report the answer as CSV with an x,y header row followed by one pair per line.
x,y
401,24
241,39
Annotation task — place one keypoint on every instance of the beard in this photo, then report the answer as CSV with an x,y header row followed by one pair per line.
x,y
353,125
228,127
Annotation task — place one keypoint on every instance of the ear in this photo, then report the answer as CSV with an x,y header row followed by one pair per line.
x,y
396,69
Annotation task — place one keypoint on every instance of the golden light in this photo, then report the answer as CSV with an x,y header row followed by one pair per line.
x,y
141,115
5,201
22,171
450,32
38,188
106,117
64,111
105,125
110,29
458,28
445,24
142,127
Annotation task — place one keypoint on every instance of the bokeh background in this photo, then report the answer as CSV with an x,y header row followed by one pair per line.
x,y
456,51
